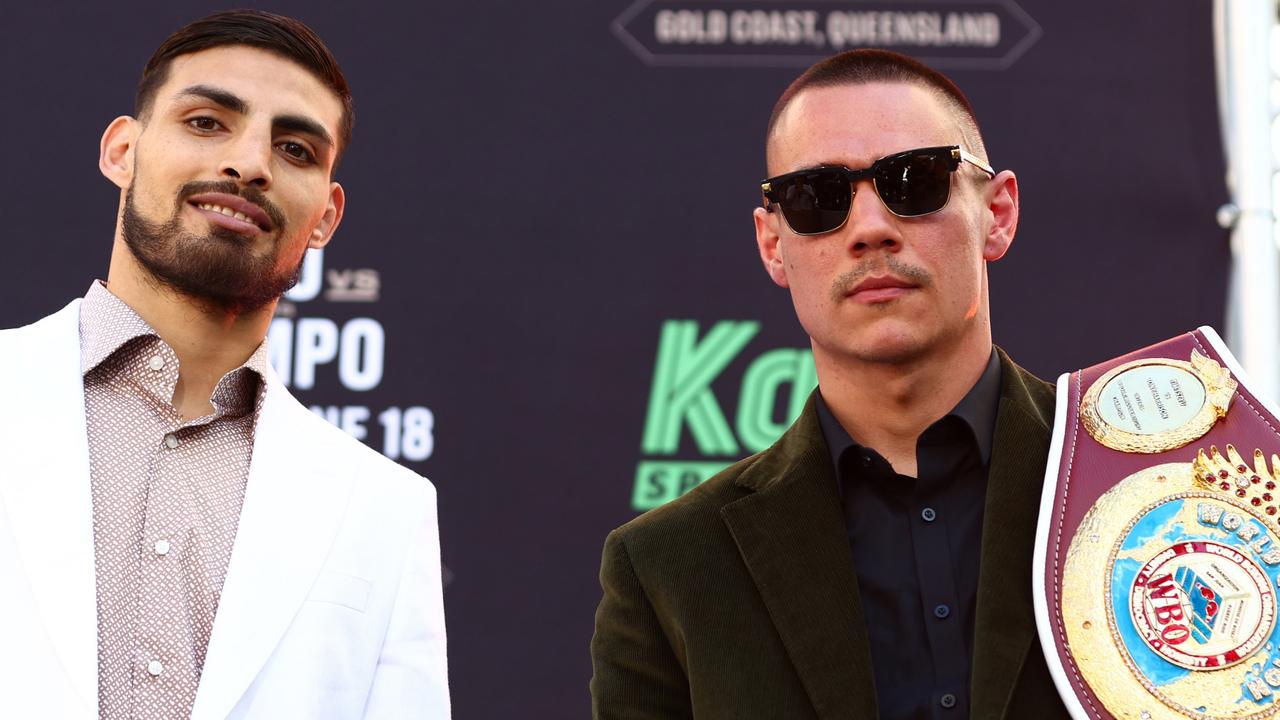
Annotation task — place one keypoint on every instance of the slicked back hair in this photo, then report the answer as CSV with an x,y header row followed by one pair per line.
x,y
861,67
278,34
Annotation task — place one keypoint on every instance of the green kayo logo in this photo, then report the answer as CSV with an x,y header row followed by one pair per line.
x,y
682,398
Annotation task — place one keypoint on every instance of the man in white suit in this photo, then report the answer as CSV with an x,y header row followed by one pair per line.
x,y
178,535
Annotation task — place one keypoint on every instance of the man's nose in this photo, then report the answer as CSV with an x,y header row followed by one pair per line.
x,y
870,225
248,161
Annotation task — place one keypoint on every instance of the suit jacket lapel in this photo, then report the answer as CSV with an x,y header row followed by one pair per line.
x,y
45,490
1005,623
791,535
293,508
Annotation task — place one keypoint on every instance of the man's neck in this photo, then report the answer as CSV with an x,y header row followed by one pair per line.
x,y
209,343
886,406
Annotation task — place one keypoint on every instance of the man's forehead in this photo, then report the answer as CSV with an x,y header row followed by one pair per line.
x,y
858,123
270,81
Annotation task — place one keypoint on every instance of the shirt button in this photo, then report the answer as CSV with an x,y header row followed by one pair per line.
x,y
928,515
941,612
866,461
947,701
156,363
155,667
162,547
171,441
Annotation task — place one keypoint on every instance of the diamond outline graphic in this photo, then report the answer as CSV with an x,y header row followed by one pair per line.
x,y
619,27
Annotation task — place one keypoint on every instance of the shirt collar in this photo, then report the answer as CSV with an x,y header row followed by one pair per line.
x,y
107,324
977,409
245,387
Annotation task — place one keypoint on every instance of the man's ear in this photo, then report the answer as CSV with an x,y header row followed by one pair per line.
x,y
1002,204
115,151
768,241
328,224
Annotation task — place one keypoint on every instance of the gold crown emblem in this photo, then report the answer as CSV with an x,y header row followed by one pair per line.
x,y
1255,485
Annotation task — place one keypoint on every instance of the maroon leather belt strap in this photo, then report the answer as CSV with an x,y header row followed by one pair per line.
x,y
1158,545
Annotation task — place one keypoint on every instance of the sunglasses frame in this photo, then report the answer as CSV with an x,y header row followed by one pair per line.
x,y
954,154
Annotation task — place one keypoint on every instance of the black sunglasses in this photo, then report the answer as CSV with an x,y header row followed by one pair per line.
x,y
910,184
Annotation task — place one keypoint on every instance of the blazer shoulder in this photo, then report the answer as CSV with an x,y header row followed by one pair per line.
x,y
693,512
54,322
51,331
697,510
40,355
1024,388
333,447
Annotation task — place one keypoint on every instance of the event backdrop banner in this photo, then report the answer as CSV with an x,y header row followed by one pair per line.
x,y
546,295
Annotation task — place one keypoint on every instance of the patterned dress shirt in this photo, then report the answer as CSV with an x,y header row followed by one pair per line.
x,y
167,494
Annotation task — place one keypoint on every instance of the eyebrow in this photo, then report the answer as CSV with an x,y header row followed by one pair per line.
x,y
300,124
227,100
237,104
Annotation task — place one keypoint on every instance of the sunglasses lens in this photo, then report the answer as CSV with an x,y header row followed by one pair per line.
x,y
815,202
915,184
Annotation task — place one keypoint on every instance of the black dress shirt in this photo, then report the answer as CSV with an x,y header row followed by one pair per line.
x,y
916,545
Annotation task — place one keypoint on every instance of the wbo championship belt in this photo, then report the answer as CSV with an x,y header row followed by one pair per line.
x,y
1158,544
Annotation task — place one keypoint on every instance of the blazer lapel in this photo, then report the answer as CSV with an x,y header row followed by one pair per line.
x,y
45,491
792,538
293,508
1005,624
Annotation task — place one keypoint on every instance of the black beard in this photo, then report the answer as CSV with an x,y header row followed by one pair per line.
x,y
217,269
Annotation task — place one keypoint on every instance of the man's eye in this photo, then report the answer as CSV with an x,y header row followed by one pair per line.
x,y
203,123
297,151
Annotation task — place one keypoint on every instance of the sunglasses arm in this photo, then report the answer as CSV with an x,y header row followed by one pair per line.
x,y
765,190
963,156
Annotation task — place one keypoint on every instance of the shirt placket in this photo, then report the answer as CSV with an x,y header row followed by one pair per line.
x,y
161,668
944,626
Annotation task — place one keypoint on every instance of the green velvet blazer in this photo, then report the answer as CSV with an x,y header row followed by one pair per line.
x,y
740,600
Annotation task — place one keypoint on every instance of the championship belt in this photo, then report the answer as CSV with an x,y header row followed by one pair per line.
x,y
1158,545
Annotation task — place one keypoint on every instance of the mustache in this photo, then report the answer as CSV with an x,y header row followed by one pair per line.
x,y
228,187
844,284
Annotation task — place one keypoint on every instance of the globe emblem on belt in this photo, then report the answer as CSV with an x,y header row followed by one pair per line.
x,y
1202,605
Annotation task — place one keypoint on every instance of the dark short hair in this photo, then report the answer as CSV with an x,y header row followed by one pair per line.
x,y
860,67
281,35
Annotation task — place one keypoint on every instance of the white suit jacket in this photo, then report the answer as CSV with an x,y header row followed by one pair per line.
x,y
332,606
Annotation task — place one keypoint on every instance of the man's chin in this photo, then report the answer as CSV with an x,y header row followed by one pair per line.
x,y
221,281
889,344
229,300
892,354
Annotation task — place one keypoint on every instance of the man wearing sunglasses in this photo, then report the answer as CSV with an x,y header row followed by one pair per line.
x,y
876,561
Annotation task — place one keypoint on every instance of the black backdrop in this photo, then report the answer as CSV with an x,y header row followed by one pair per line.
x,y
537,190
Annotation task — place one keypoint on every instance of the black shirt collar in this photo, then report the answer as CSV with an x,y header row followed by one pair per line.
x,y
977,409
